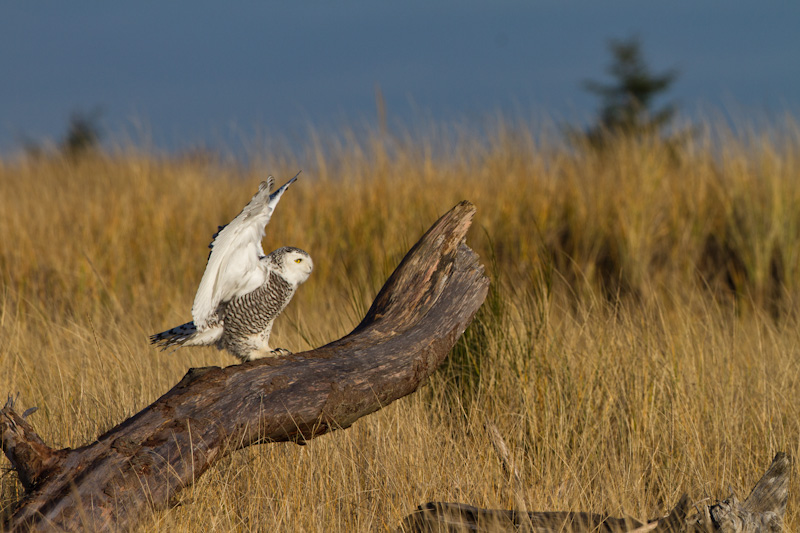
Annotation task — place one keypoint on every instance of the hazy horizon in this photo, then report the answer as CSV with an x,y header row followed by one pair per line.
x,y
178,76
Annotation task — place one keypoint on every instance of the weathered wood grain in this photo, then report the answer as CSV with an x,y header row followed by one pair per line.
x,y
143,462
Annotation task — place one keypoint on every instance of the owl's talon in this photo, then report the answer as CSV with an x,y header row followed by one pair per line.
x,y
280,351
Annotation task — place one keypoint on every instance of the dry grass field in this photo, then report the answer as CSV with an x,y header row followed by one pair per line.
x,y
640,340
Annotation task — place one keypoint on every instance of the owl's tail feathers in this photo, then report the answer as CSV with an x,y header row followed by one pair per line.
x,y
186,335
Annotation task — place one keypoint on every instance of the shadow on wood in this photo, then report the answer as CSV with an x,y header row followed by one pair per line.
x,y
143,462
762,512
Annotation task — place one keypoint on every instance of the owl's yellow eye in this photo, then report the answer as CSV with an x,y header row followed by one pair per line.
x,y
298,260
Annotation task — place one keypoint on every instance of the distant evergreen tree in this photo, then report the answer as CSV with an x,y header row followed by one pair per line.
x,y
627,102
83,134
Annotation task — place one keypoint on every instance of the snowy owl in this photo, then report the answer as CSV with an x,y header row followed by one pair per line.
x,y
242,290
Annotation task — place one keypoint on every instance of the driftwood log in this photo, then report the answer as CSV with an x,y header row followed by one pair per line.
x,y
761,512
143,462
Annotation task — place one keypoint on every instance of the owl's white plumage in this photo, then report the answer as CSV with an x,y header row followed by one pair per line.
x,y
234,266
242,290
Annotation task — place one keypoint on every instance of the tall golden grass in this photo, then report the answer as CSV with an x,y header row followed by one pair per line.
x,y
640,340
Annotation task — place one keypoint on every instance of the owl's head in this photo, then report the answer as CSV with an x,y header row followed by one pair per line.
x,y
295,264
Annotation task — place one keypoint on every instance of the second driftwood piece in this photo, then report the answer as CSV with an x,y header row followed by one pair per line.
x,y
761,512
146,460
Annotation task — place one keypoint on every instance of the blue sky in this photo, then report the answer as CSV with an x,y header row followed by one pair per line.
x,y
215,74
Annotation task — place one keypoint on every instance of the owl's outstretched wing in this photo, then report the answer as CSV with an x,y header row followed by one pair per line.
x,y
234,267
